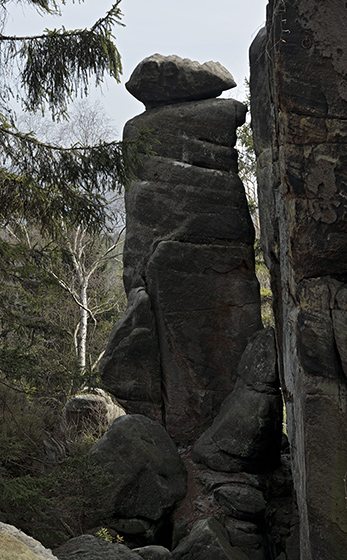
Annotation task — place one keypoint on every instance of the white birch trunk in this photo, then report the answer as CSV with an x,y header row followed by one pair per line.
x,y
83,328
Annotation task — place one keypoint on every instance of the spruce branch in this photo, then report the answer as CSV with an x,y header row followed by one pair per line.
x,y
46,6
47,184
56,66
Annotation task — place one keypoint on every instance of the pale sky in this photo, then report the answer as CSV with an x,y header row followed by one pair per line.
x,y
202,30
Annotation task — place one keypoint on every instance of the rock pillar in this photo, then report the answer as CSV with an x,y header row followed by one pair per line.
x,y
188,257
299,107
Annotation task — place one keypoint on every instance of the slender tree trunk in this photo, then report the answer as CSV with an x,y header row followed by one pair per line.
x,y
83,328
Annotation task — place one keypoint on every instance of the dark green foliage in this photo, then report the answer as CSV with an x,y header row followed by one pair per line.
x,y
49,6
35,343
60,62
38,319
48,488
44,183
46,188
53,67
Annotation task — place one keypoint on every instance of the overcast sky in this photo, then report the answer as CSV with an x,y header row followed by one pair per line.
x,y
202,30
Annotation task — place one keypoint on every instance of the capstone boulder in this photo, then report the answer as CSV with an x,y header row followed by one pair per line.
x,y
159,80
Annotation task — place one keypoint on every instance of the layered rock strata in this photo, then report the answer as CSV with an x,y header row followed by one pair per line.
x,y
299,106
188,257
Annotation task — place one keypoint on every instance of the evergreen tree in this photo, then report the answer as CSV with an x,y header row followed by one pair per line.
x,y
44,183
63,293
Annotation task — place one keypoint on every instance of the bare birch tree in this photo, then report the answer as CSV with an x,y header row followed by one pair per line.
x,y
87,255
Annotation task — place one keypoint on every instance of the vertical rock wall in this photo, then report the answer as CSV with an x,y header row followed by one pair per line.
x,y
188,258
299,108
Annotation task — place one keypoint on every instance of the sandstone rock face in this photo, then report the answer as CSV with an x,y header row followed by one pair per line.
x,y
153,552
12,549
189,252
87,547
159,80
299,105
131,363
246,434
90,412
208,539
147,476
15,545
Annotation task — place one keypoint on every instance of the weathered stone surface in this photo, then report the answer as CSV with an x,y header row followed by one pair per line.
x,y
240,501
199,329
246,536
153,552
16,545
299,108
188,204
213,479
246,434
189,244
12,549
88,412
147,475
160,80
131,364
87,547
207,539
199,133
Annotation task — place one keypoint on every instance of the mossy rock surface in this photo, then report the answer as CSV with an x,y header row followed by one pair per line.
x,y
13,549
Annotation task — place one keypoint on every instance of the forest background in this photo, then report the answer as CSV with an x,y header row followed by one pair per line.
x,y
61,236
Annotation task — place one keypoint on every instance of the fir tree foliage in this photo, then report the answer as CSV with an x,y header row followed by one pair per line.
x,y
45,183
53,67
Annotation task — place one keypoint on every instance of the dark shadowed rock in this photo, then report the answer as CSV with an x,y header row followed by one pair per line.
x,y
189,246
241,501
160,80
147,476
87,547
246,434
207,539
131,364
188,204
153,552
246,536
299,104
201,294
